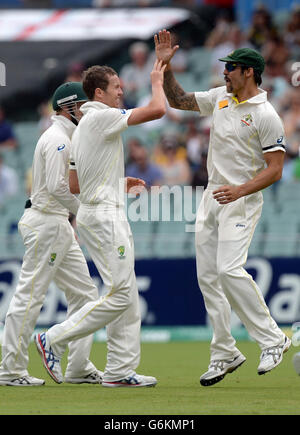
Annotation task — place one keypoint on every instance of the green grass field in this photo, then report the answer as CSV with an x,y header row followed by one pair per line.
x,y
177,367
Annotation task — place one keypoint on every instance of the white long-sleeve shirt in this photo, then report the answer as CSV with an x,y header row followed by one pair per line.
x,y
97,153
50,170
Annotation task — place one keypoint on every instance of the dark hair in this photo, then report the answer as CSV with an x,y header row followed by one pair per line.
x,y
96,77
256,74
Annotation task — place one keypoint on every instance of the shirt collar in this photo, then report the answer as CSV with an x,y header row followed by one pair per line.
x,y
261,97
93,105
64,122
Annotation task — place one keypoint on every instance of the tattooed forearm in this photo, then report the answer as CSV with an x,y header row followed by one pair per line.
x,y
177,97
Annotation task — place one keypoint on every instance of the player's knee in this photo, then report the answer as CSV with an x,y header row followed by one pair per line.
x,y
120,297
124,279
226,271
206,275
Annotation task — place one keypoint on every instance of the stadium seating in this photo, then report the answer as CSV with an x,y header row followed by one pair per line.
x,y
199,62
277,233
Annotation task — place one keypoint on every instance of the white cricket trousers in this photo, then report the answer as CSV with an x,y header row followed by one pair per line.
x,y
51,253
106,233
223,236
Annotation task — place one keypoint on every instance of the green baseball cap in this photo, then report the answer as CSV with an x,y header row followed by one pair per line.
x,y
68,93
248,57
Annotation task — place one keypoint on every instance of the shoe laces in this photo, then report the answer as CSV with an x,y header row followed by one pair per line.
x,y
216,365
131,380
51,359
94,376
271,351
22,380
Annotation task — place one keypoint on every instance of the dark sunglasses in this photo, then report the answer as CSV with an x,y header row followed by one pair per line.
x,y
231,66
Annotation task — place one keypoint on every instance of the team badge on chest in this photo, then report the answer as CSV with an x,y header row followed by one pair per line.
x,y
246,120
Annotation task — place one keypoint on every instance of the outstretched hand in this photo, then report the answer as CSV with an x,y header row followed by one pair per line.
x,y
157,73
163,47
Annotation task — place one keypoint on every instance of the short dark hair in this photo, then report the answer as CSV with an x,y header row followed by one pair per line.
x,y
256,74
96,77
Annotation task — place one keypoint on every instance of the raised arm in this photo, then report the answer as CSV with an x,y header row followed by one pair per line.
x,y
177,97
156,108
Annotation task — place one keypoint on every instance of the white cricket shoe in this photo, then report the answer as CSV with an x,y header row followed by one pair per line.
x,y
132,381
272,357
50,360
296,362
23,381
92,378
218,369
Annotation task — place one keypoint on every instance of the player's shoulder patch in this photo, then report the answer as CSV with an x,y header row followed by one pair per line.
x,y
123,111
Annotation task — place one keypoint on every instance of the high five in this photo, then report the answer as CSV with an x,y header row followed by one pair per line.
x,y
244,157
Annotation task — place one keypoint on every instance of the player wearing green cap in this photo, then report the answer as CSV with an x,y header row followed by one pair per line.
x,y
246,154
52,252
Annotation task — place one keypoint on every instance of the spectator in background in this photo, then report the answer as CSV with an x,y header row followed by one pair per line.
x,y
45,112
7,136
196,140
220,31
141,167
288,172
170,121
262,28
296,172
135,76
200,177
274,92
75,71
9,183
276,55
131,145
292,33
291,119
171,159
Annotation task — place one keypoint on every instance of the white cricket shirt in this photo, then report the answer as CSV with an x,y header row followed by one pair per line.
x,y
240,134
50,191
97,153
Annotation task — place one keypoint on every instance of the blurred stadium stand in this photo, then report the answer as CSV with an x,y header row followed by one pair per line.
x,y
278,232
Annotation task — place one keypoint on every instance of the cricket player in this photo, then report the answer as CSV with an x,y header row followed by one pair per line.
x,y
246,154
51,250
97,155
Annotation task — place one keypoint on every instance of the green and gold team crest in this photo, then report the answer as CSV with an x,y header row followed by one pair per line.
x,y
52,259
121,251
247,120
